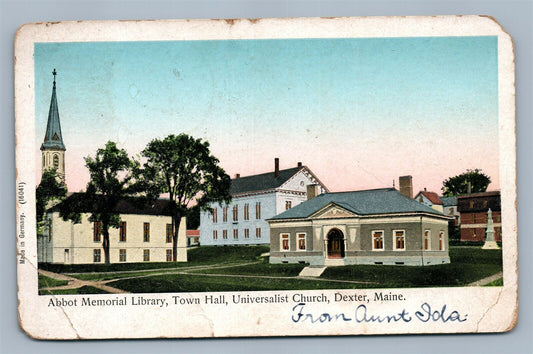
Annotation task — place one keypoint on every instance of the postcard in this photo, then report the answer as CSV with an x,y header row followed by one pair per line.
x,y
267,177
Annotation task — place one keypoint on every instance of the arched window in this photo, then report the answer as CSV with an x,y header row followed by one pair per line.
x,y
56,161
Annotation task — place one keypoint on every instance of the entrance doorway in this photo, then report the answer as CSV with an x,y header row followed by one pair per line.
x,y
335,244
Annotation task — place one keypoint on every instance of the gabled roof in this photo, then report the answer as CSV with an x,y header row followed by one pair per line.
x,y
366,202
265,181
448,201
80,202
431,196
53,138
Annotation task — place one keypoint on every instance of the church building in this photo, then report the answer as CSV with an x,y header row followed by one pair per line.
x,y
144,233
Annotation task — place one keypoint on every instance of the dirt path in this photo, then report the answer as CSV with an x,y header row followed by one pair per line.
x,y
74,283
485,281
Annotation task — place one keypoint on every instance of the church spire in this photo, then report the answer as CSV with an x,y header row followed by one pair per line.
x,y
53,138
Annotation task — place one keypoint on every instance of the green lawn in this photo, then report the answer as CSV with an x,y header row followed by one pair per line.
x,y
197,256
281,270
110,275
467,265
197,283
47,282
82,290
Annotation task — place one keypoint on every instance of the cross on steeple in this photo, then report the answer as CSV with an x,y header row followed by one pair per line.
x,y
54,73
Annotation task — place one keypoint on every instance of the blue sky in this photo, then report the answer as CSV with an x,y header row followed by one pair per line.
x,y
358,112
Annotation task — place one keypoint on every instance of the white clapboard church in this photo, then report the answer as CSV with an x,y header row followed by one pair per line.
x,y
144,234
256,199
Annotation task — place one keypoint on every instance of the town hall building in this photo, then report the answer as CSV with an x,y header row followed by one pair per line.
x,y
255,199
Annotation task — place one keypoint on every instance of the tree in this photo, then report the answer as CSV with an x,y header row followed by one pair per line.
x,y
183,167
193,218
49,190
112,177
458,185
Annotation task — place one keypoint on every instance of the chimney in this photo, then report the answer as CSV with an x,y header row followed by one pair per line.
x,y
276,167
406,186
299,164
237,175
425,190
312,191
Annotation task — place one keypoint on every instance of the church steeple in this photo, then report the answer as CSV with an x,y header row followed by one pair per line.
x,y
53,137
53,148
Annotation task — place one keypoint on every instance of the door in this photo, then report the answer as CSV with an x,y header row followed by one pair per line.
x,y
335,244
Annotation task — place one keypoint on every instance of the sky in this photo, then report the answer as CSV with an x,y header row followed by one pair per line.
x,y
359,112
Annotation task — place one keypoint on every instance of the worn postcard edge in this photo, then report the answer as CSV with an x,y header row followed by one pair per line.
x,y
494,309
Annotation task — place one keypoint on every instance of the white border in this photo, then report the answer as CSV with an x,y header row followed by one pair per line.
x,y
501,301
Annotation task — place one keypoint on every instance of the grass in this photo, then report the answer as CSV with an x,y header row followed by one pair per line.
x,y
83,290
47,282
199,283
108,276
198,256
278,270
225,254
467,265
497,282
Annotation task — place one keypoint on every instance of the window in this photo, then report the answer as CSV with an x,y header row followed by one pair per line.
x,y
258,210
146,255
441,241
284,240
169,255
215,234
377,241
258,232
97,231
235,213
97,255
288,205
169,233
225,234
235,234
225,214
246,233
427,240
399,240
146,232
122,231
246,212
122,255
301,241
56,162
214,214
